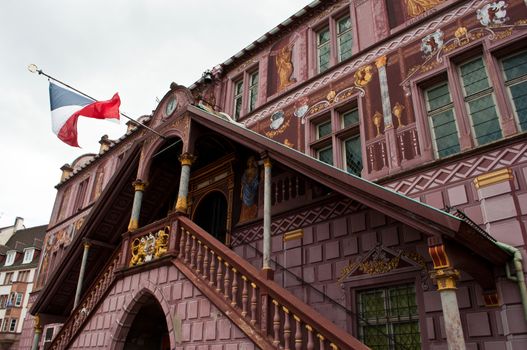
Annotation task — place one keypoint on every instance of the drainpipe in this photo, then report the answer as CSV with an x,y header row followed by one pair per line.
x,y
520,277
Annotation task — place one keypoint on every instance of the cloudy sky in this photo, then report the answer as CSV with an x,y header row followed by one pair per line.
x,y
136,48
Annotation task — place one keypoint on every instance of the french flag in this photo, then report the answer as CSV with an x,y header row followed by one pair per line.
x,y
67,106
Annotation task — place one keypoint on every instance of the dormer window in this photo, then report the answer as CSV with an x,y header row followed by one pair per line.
x,y
10,259
28,255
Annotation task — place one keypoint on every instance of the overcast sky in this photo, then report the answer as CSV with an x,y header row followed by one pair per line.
x,y
136,48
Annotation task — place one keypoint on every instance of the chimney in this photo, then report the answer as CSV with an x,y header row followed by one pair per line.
x,y
67,170
19,224
105,143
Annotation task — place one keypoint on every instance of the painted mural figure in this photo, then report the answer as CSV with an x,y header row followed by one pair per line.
x,y
416,7
249,190
284,66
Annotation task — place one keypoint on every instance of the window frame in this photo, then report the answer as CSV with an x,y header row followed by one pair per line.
x,y
246,93
28,252
12,325
331,22
467,98
407,275
10,258
508,83
10,276
387,322
19,299
430,114
238,99
339,134
450,72
253,90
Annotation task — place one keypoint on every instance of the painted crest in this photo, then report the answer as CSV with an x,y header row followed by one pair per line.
x,y
492,14
277,119
432,42
301,107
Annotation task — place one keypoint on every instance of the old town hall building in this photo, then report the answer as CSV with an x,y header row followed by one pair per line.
x,y
355,178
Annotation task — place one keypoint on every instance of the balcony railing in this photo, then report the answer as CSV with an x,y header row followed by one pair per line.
x,y
276,314
277,317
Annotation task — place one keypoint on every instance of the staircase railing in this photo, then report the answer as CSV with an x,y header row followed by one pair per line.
x,y
88,304
276,314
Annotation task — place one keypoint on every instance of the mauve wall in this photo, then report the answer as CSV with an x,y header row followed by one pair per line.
x,y
327,247
203,326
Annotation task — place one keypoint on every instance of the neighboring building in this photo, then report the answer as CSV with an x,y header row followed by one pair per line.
x,y
270,170
18,267
8,231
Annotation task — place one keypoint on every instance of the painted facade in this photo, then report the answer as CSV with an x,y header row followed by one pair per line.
x,y
424,97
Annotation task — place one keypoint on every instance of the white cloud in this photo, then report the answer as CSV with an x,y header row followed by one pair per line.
x,y
134,47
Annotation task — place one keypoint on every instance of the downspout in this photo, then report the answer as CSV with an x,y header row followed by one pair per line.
x,y
520,277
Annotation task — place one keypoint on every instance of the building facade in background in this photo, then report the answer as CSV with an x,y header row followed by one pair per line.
x,y
355,177
19,262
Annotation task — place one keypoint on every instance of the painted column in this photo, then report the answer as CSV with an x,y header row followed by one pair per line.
x,y
38,333
389,131
81,274
139,187
445,276
266,264
186,160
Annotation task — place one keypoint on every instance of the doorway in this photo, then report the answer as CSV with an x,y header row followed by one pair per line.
x,y
211,215
149,328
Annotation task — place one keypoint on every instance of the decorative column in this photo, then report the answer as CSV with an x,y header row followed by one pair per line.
x,y
266,264
139,187
38,333
389,131
186,160
81,274
445,276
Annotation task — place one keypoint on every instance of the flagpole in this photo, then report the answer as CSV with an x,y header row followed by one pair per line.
x,y
34,69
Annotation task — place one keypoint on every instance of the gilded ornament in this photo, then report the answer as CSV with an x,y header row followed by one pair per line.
x,y
284,67
181,204
416,7
363,76
288,143
331,96
187,159
381,61
377,119
139,185
397,112
148,247
161,245
461,32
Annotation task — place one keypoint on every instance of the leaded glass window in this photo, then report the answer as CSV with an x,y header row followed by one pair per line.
x,y
350,118
344,38
389,318
238,98
326,155
480,100
353,155
440,110
323,49
253,90
515,72
323,129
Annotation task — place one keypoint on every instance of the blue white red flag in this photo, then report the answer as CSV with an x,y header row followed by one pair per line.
x,y
67,106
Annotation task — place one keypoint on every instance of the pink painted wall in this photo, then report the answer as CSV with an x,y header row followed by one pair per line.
x,y
201,325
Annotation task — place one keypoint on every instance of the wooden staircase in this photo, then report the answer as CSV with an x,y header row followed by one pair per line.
x,y
268,314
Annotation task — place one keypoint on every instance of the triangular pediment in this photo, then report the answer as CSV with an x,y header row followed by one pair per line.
x,y
382,260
